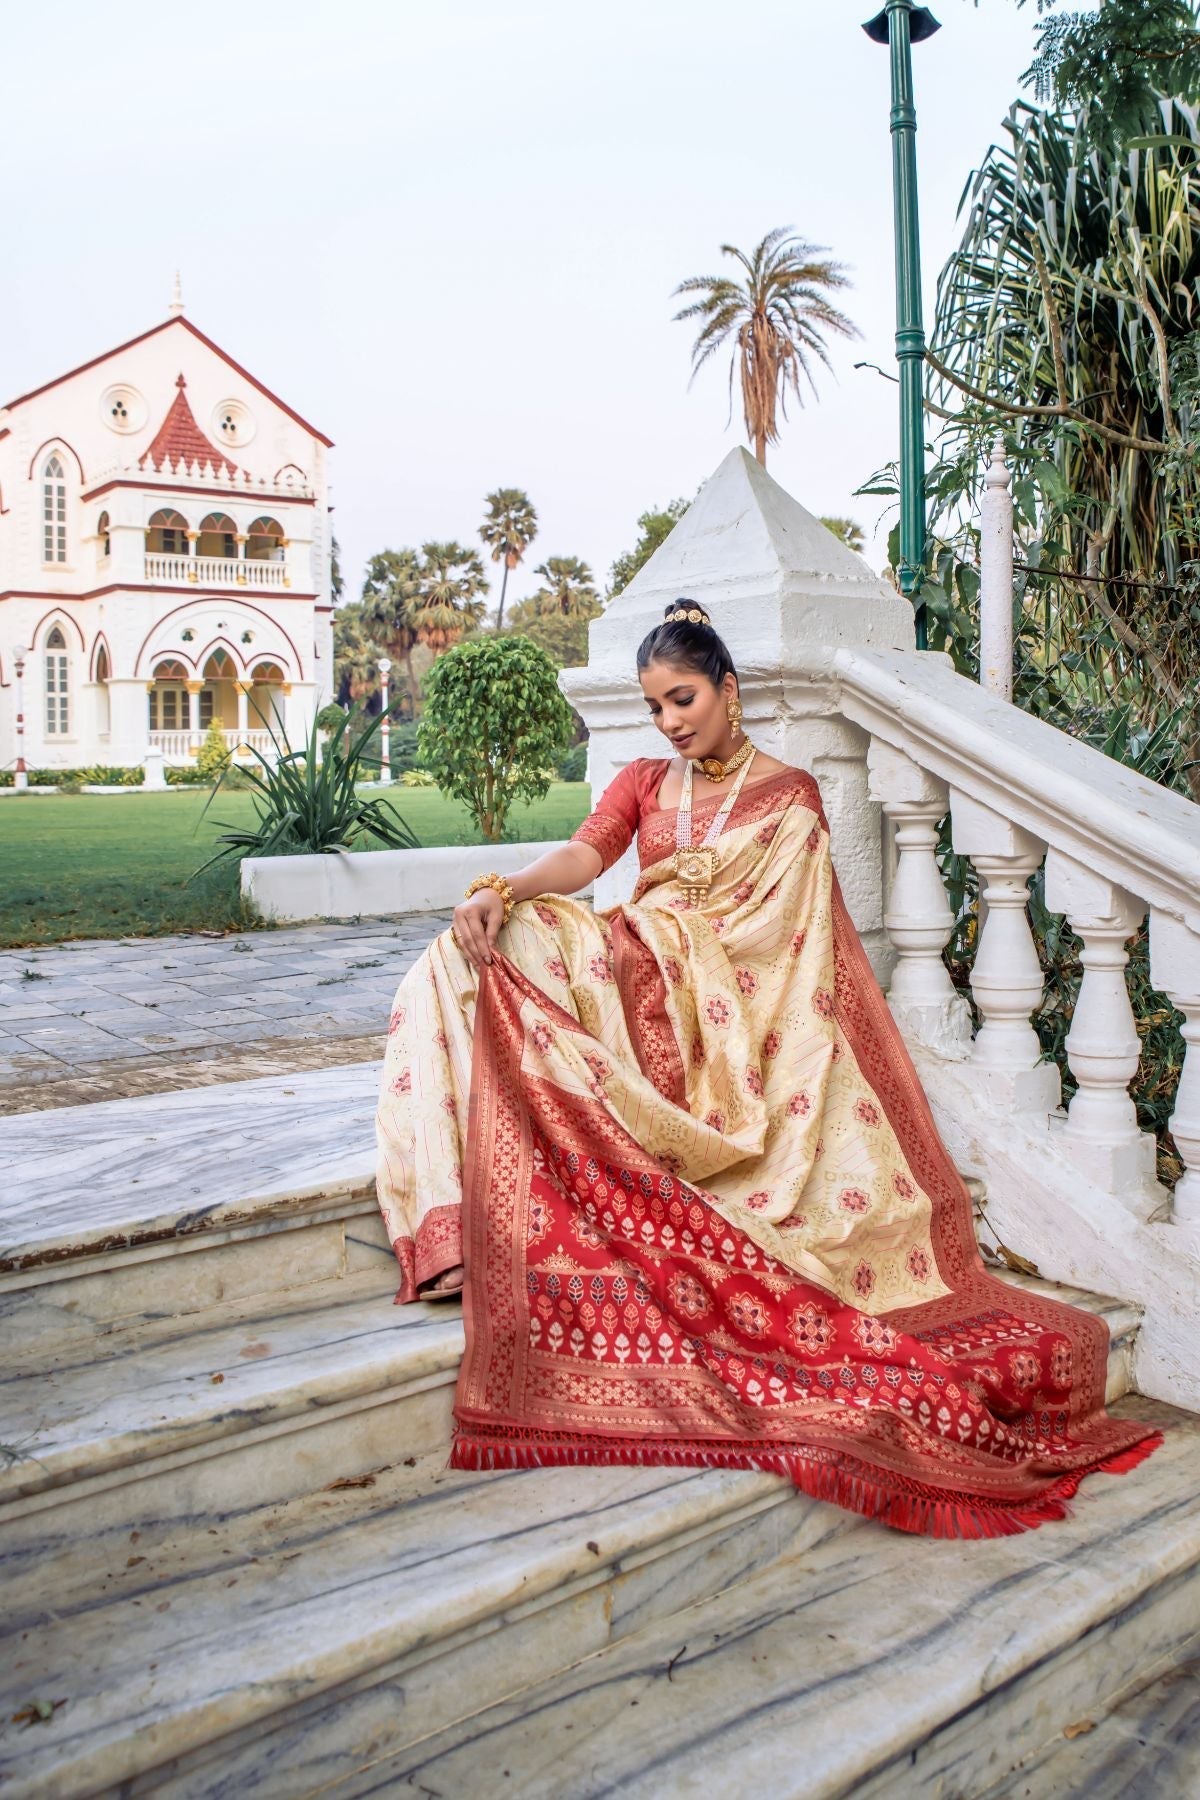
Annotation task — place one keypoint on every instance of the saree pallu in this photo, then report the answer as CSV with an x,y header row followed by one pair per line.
x,y
704,1210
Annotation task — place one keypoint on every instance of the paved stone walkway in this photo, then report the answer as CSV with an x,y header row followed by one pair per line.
x,y
93,1020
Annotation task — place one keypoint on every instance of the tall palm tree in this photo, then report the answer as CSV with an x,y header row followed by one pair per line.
x,y
390,591
777,317
508,530
446,606
569,588
356,655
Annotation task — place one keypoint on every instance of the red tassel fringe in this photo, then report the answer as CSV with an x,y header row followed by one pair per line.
x,y
867,1493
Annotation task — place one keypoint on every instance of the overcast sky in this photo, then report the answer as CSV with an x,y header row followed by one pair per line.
x,y
448,232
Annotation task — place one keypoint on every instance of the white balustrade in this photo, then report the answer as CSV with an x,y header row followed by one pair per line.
x,y
180,747
1103,1045
917,918
1175,968
996,578
216,571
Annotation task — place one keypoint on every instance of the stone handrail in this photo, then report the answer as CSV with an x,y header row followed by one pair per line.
x,y
216,571
1116,846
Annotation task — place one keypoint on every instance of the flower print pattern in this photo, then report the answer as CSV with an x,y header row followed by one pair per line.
x,y
688,1297
864,1280
866,1112
747,1313
718,1011
754,1082
917,1263
822,1003
812,842
772,1044
599,970
758,1202
399,1017
673,970
402,1083
854,1200
800,1105
875,1337
799,939
547,915
903,1186
811,1329
557,968
542,1036
715,1120
747,982
697,1051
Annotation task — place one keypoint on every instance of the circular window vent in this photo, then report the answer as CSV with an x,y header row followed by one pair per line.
x,y
122,408
232,424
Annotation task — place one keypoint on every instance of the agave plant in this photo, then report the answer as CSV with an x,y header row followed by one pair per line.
x,y
307,802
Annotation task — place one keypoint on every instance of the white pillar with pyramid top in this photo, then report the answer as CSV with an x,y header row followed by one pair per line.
x,y
783,592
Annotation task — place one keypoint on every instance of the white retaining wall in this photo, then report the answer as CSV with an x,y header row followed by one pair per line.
x,y
351,883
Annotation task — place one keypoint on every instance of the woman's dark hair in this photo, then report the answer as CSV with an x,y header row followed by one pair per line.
x,y
687,643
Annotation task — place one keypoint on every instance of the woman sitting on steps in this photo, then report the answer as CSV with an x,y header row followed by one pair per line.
x,y
682,1155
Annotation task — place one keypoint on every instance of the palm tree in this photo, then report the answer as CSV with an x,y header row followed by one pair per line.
x,y
777,317
356,655
390,590
569,588
508,530
849,530
446,608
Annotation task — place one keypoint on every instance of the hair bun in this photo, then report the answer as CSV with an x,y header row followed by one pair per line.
x,y
680,611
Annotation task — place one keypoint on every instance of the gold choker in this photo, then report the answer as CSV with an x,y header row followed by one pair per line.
x,y
714,770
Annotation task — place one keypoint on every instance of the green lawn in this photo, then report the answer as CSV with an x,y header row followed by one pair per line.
x,y
116,865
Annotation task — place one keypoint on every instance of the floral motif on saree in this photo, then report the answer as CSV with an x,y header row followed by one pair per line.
x,y
704,1210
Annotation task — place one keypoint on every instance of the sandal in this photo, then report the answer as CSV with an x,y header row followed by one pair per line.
x,y
438,1294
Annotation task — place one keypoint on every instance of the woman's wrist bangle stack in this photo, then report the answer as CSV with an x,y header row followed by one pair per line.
x,y
499,885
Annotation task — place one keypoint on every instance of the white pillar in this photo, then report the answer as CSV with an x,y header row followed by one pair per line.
x,y
155,776
917,917
996,578
385,761
1175,968
20,772
242,689
194,690
1101,1129
1007,977
128,722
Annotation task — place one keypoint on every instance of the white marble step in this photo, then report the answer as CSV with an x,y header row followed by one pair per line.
x,y
220,1412
129,1210
433,1594
871,1664
1147,1747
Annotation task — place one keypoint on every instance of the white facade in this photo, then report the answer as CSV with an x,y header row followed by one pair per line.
x,y
164,559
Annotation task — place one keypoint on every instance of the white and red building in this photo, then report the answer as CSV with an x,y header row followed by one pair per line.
x,y
164,559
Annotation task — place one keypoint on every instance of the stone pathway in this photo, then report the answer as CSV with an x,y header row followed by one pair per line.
x,y
97,1020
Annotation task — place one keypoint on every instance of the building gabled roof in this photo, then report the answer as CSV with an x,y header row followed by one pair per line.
x,y
166,325
179,441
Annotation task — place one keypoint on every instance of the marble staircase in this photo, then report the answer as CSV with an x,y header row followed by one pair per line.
x,y
232,1552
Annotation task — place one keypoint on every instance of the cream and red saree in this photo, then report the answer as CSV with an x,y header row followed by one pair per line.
x,y
705,1213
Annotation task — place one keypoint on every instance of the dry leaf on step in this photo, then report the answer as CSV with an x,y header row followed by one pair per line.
x,y
1078,1728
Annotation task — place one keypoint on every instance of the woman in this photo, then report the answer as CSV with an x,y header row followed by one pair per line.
x,y
685,1159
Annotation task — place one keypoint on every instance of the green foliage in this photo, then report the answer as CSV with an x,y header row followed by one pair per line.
x,y
307,802
849,530
330,716
494,720
95,775
573,766
213,757
356,652
1115,62
654,528
182,777
557,616
508,529
417,778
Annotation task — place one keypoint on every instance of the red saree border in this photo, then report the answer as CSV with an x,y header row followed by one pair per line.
x,y
643,994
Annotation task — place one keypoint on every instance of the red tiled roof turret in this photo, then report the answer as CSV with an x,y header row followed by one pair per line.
x,y
180,440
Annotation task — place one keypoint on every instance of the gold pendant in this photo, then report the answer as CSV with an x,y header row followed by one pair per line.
x,y
695,870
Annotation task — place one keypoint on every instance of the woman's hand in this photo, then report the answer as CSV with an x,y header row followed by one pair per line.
x,y
477,923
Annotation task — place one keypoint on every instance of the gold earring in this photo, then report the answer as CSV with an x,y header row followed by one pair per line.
x,y
733,712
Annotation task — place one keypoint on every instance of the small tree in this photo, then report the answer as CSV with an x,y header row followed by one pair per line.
x,y
213,757
495,723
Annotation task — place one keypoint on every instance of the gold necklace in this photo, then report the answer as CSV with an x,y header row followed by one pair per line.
x,y
695,868
713,769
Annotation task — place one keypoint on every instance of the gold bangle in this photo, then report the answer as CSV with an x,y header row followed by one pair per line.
x,y
498,885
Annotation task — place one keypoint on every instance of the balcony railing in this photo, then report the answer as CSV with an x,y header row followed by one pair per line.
x,y
180,747
216,571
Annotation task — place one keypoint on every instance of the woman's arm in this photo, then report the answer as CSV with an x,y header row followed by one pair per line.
x,y
477,921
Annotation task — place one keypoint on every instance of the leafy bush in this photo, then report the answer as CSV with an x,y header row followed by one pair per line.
x,y
417,778
330,717
494,719
573,766
213,757
186,776
306,802
96,775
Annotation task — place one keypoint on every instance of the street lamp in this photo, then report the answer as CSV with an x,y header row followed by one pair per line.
x,y
385,766
20,773
899,26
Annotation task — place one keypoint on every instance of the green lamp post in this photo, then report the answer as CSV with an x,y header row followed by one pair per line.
x,y
901,25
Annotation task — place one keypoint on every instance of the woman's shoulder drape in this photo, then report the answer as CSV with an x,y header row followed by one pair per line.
x,y
611,825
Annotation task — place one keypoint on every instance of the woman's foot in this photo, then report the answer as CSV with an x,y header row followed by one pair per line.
x,y
448,1285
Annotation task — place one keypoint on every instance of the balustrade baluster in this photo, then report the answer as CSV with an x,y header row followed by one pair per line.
x,y
1101,1127
1007,978
1175,968
918,919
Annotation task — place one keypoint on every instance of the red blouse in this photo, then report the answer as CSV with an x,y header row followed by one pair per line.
x,y
610,827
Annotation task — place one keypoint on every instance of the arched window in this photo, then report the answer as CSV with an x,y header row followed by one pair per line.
x,y
166,534
218,536
102,664
58,716
102,534
54,511
102,674
168,697
264,541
